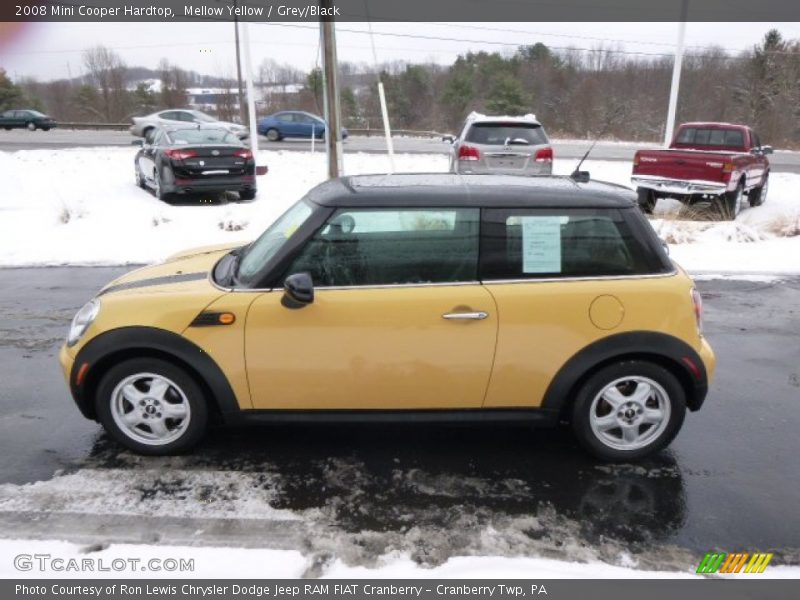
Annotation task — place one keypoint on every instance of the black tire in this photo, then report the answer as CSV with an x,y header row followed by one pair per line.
x,y
647,200
758,196
584,404
158,190
7,128
45,129
729,205
247,195
273,135
30,126
138,177
198,415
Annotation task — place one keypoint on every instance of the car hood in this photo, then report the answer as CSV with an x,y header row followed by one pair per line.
x,y
186,271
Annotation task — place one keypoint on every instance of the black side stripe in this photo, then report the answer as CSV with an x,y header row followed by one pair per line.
x,y
165,280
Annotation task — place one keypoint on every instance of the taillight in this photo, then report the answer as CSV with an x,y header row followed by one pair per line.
x,y
246,154
544,155
635,160
179,154
468,153
697,301
727,167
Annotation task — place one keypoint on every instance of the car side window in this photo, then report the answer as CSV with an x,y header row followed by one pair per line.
x,y
170,115
284,118
185,116
542,243
362,247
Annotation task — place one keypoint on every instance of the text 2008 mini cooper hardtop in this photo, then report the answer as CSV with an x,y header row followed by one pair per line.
x,y
438,297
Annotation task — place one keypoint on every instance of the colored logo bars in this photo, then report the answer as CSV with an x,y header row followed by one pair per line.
x,y
738,562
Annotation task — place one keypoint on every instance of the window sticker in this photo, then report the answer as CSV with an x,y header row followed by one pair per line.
x,y
541,244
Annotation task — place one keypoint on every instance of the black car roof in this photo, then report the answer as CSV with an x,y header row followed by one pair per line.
x,y
448,189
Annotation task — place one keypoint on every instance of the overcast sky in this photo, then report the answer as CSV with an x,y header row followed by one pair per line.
x,y
53,50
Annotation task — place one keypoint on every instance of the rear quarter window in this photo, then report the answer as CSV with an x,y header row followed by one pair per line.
x,y
542,243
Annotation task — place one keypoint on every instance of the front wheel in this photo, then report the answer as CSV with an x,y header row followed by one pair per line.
x,y
628,410
151,406
31,126
273,135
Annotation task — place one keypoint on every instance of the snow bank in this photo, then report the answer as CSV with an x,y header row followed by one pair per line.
x,y
80,206
235,563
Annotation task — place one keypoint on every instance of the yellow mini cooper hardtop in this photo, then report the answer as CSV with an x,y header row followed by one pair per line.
x,y
407,297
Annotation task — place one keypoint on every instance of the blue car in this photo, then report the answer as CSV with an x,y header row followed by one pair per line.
x,y
293,124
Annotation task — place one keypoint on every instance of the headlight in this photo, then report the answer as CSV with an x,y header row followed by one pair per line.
x,y
82,320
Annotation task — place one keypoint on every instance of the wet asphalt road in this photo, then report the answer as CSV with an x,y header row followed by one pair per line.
x,y
729,482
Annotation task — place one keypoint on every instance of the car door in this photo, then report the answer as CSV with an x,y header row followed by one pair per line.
x,y
398,322
287,124
760,163
562,279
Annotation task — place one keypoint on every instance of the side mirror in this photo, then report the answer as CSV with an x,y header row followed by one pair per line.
x,y
767,150
298,290
580,176
139,143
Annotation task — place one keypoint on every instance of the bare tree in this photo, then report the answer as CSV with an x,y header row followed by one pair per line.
x,y
107,73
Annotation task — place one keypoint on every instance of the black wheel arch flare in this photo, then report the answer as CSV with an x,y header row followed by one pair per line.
x,y
663,349
120,344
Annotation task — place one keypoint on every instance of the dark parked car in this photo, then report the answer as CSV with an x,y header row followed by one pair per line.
x,y
29,119
195,159
293,124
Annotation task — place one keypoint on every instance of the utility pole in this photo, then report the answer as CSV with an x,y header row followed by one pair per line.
x,y
676,76
242,107
333,135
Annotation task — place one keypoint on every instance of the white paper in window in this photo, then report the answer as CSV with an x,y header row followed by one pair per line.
x,y
541,244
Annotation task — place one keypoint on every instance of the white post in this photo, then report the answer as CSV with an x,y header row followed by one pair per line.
x,y
386,129
313,135
676,76
251,96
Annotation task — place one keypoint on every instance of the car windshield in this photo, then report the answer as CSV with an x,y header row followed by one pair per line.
x,y
267,245
203,136
201,116
500,134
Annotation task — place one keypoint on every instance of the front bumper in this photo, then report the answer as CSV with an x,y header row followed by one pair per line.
x,y
67,362
679,187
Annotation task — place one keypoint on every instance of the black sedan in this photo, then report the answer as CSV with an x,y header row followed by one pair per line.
x,y
194,160
28,119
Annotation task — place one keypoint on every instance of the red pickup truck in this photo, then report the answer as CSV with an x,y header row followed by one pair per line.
x,y
716,162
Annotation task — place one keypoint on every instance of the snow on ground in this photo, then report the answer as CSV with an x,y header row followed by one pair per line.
x,y
80,206
235,563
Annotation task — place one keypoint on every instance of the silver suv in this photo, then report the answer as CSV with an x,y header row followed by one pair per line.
x,y
503,145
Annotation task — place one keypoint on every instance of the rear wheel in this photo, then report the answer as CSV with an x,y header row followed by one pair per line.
x,y
138,177
647,200
158,190
273,135
247,195
31,126
628,410
151,406
758,195
730,204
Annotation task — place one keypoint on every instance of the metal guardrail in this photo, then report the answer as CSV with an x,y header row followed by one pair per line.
x,y
75,125
355,131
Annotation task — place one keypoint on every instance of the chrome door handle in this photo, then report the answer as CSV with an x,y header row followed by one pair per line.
x,y
460,316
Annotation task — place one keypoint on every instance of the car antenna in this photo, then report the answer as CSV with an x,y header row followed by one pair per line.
x,y
583,176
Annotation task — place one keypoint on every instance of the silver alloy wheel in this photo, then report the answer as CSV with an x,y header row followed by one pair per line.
x,y
630,413
31,127
273,135
150,409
